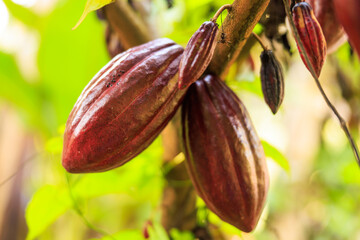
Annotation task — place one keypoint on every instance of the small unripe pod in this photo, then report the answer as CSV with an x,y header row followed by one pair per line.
x,y
272,80
311,36
197,54
324,11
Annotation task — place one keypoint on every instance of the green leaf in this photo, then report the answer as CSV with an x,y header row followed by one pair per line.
x,y
276,155
65,63
258,28
126,234
105,183
23,14
138,176
46,205
157,232
248,83
92,5
54,145
20,93
179,235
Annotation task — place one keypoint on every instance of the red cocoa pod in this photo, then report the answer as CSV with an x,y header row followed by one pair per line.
x,y
324,12
123,108
347,12
198,53
224,156
272,80
311,36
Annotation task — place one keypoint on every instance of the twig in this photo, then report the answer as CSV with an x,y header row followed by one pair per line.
x,y
237,28
221,9
259,40
312,71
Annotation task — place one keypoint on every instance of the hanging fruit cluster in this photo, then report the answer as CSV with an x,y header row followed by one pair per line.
x,y
130,101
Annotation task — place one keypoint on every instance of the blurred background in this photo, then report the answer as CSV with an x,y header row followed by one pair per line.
x,y
44,65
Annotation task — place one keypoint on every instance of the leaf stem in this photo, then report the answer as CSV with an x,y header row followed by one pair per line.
x,y
312,71
260,41
221,9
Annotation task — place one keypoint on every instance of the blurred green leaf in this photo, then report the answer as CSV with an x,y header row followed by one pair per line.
x,y
224,227
46,205
17,91
105,183
349,63
350,173
92,5
124,235
276,155
193,14
68,59
249,83
25,15
181,235
258,28
157,232
54,145
139,176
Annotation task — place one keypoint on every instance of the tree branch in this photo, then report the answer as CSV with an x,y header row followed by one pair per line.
x,y
237,27
130,29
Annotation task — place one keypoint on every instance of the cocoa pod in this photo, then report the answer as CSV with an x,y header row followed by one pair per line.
x,y
324,12
224,156
197,54
123,108
347,12
311,36
272,80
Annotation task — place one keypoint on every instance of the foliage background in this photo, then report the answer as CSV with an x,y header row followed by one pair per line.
x,y
44,65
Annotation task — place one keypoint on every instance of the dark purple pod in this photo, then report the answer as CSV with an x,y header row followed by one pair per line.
x,y
224,155
197,54
272,80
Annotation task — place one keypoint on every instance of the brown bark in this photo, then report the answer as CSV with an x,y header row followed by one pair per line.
x,y
237,28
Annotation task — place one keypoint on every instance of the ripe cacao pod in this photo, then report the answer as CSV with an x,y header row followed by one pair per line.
x,y
123,108
224,156
347,12
311,36
272,80
198,53
333,31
